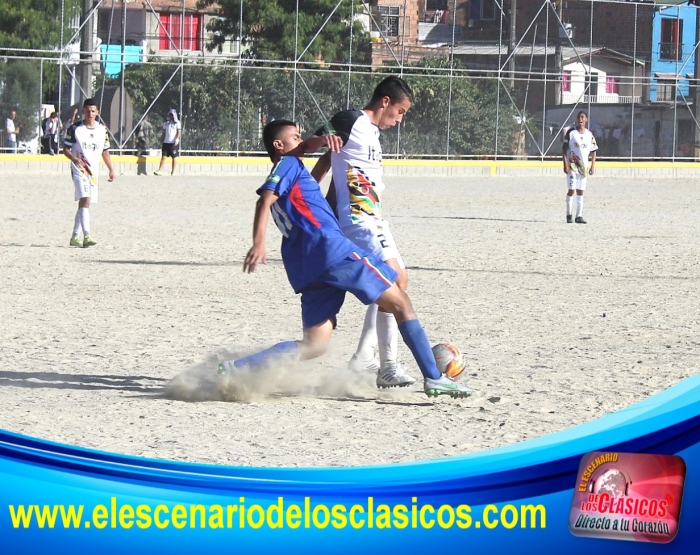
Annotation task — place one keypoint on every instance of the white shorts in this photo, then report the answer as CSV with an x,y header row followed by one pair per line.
x,y
576,181
84,189
374,236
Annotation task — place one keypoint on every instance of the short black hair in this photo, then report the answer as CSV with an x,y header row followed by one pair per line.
x,y
395,88
581,112
272,132
89,102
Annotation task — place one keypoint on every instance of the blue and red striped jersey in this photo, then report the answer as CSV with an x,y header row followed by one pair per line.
x,y
312,241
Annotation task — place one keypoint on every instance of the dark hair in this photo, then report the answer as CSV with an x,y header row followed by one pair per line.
x,y
272,132
581,112
395,88
89,102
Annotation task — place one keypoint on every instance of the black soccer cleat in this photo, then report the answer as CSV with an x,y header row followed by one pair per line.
x,y
580,220
569,219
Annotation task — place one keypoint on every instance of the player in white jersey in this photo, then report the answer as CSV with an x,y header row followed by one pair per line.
x,y
356,196
172,134
84,144
579,144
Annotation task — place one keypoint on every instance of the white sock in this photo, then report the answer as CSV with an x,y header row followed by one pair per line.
x,y
368,338
579,206
85,220
569,205
77,226
388,338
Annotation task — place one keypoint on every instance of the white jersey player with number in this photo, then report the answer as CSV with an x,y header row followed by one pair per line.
x,y
579,146
356,196
84,145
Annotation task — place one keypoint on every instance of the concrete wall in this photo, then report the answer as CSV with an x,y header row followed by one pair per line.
x,y
45,165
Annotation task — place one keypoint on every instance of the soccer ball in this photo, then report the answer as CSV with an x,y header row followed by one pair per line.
x,y
450,360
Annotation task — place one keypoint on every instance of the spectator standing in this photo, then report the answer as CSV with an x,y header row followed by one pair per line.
x,y
70,121
49,139
144,133
11,132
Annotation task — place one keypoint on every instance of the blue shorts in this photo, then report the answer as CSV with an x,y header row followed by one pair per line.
x,y
361,274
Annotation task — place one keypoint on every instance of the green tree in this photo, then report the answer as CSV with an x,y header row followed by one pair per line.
x,y
211,116
31,28
268,29
19,90
33,24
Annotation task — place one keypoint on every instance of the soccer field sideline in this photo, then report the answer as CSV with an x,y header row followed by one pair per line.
x,y
410,167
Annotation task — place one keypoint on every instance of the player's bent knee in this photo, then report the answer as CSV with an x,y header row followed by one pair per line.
x,y
402,282
397,302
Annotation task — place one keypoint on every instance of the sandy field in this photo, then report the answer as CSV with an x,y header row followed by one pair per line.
x,y
115,347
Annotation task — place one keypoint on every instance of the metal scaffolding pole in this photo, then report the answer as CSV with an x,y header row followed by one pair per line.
x,y
512,40
558,61
86,49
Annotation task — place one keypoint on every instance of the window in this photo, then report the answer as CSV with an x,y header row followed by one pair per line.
x,y
389,20
665,89
482,10
185,34
104,22
566,82
432,5
612,85
671,35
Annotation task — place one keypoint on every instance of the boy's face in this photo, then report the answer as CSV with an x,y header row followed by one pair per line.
x,y
288,139
393,113
89,114
582,120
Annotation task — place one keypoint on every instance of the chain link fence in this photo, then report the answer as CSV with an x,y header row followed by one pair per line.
x,y
492,78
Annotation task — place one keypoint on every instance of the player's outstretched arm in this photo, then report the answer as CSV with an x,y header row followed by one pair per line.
x,y
257,254
108,162
315,142
323,164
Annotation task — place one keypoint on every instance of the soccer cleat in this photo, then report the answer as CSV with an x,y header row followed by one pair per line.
x,y
226,368
580,220
569,219
88,242
445,386
75,242
393,375
357,365
158,172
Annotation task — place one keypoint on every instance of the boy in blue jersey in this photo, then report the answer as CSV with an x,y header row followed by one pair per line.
x,y
322,264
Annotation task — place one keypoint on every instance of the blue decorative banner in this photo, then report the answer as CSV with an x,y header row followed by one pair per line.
x,y
60,499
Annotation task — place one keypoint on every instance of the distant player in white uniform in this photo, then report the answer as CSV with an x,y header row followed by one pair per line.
x,y
579,144
356,196
172,134
84,144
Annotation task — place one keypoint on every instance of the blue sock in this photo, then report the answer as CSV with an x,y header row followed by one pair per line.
x,y
263,357
414,336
